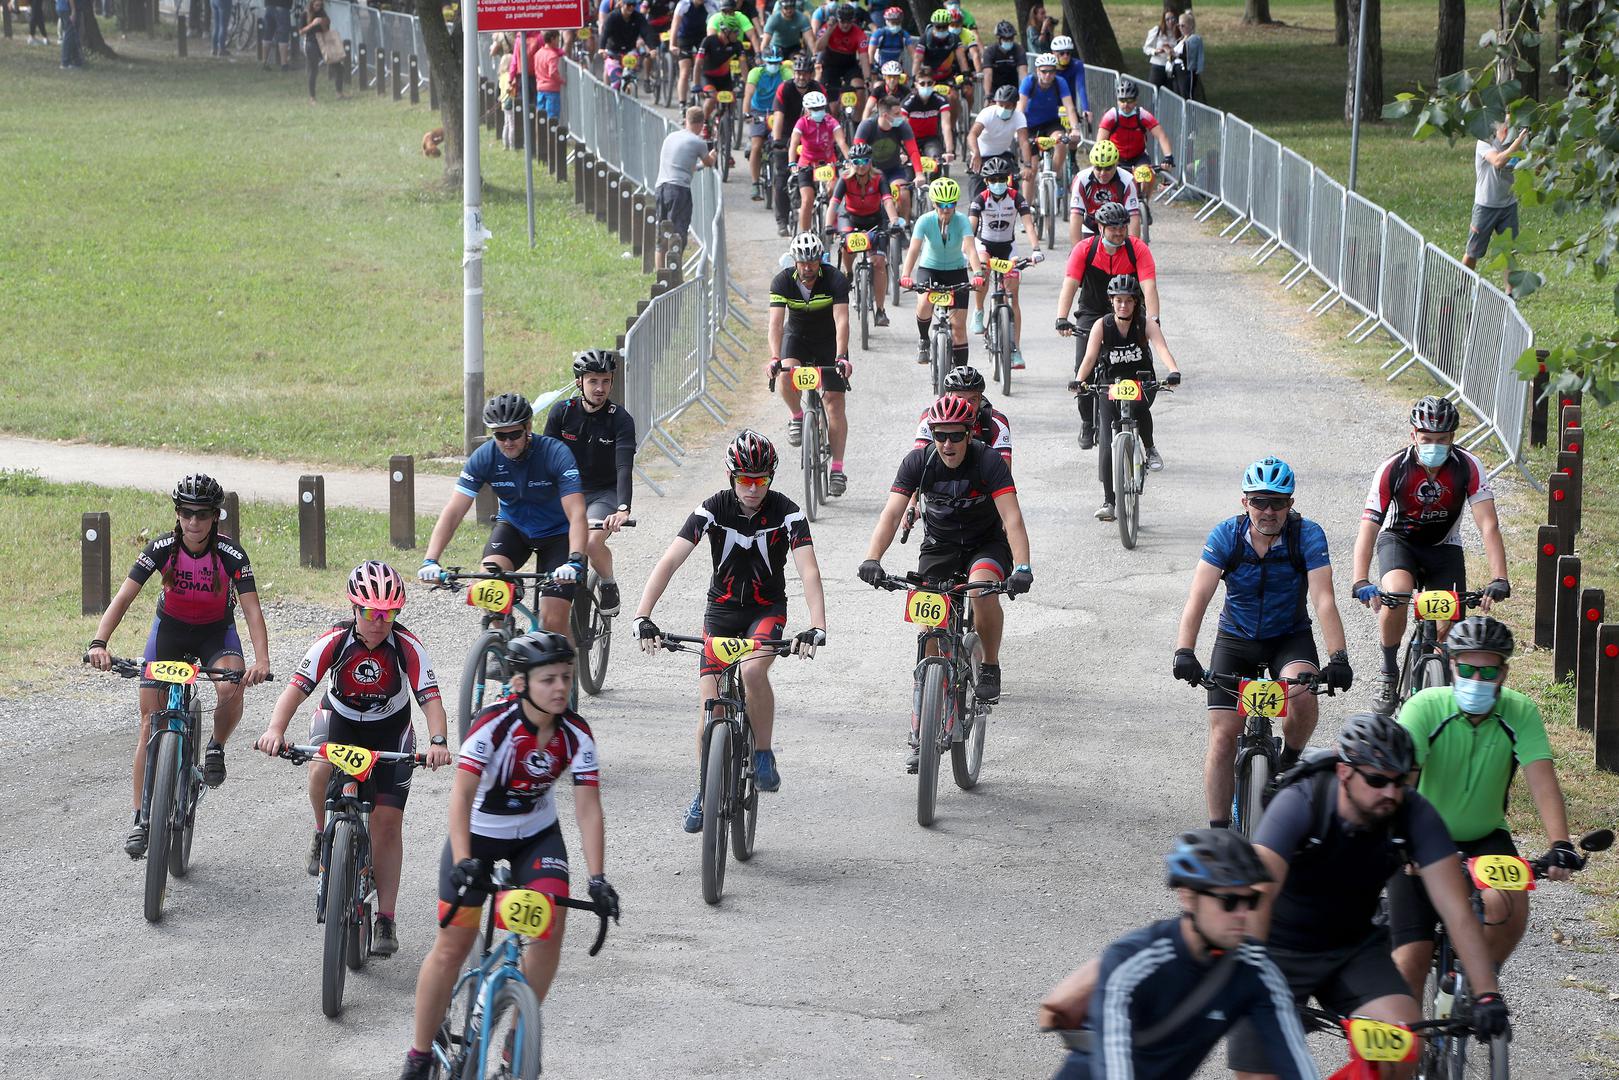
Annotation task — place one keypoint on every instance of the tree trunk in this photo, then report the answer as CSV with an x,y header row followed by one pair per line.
x,y
1340,22
1371,94
1519,17
90,37
1573,32
1023,8
1179,7
1447,50
1093,35
1256,13
922,9
444,61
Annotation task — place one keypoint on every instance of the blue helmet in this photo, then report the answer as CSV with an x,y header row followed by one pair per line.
x,y
772,55
1214,859
1269,474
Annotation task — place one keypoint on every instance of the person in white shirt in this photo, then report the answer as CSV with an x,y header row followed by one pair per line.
x,y
1001,130
1160,47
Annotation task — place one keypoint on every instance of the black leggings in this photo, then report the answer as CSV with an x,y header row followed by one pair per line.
x,y
312,62
36,20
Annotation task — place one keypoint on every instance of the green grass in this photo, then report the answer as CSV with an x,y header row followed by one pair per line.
x,y
198,258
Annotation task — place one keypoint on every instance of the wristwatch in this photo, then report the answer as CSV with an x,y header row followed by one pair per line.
x,y
439,740
623,508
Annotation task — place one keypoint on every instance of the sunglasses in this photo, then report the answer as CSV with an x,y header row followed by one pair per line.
x,y
951,437
1230,902
944,206
371,614
510,436
191,513
1487,672
1377,781
752,481
1265,502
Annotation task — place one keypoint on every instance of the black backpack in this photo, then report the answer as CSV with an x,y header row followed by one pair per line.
x,y
1315,768
1293,532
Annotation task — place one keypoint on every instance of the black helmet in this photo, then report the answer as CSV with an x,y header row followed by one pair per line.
x,y
1206,859
1376,741
999,165
1123,285
1005,29
1127,90
537,649
846,13
1004,94
1480,633
199,489
964,380
595,362
1435,414
507,410
750,452
1112,215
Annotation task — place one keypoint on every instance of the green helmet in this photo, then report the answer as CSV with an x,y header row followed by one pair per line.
x,y
940,17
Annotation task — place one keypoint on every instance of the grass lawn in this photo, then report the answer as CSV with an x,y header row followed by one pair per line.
x,y
230,268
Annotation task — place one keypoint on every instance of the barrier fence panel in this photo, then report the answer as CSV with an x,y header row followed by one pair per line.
x,y
1201,167
1100,83
1265,183
670,341
398,35
1235,161
368,30
1511,392
424,63
1294,223
1327,229
342,19
1483,352
1362,253
1444,314
1171,114
1401,282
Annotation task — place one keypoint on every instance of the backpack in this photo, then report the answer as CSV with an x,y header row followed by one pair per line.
x,y
1312,767
1293,532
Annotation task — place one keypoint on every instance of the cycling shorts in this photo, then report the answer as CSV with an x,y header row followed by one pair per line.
x,y
171,639
926,276
508,540
394,734
941,560
994,249
932,146
1129,164
1247,657
901,171
848,222
716,82
758,125
1049,127
1436,566
806,175
811,353
720,620
1411,914
600,504
538,862
839,70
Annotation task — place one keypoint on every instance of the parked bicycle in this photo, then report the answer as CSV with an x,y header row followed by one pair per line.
x,y
941,340
1121,460
999,328
1259,749
815,449
1424,663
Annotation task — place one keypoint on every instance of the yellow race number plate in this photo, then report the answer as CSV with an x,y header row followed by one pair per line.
x,y
1437,605
171,671
525,912
926,608
1261,697
1124,390
1505,873
492,596
1374,1040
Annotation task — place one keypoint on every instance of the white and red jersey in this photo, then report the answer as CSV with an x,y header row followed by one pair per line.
x,y
515,773
990,427
1425,507
368,684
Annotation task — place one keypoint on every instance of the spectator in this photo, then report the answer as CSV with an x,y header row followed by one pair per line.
x,y
1041,29
38,34
277,32
510,77
221,26
1188,63
67,28
1160,48
318,24
546,64
683,153
1495,205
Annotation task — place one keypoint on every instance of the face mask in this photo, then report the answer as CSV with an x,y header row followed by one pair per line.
x,y
772,68
817,115
1063,60
999,187
1127,110
1475,696
1110,245
1433,455
1004,114
924,92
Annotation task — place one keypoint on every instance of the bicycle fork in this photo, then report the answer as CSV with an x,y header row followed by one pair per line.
x,y
178,722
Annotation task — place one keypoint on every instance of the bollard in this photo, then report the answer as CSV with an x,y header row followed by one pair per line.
x,y
1568,415
613,184
230,517
649,241
485,504
95,562
668,278
179,32
1550,542
402,501
312,521
1566,628
626,215
579,167
1538,402
1606,710
362,73
637,224
1585,659
1569,464
542,140
491,107
5,12
381,80
1557,504
415,82
562,155
258,36
399,77
348,65
600,209
592,167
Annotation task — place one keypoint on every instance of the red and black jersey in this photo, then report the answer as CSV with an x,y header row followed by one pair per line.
x,y
516,772
923,113
368,684
862,199
1425,506
749,551
1127,130
960,501
717,54
849,42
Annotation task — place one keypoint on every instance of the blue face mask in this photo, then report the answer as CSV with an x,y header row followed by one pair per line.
x,y
1433,455
1004,114
1475,696
772,68
817,115
999,188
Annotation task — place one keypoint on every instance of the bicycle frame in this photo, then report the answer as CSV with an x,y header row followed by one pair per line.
x,y
347,799
175,717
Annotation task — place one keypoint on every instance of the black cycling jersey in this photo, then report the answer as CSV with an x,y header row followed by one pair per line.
x,y
1003,64
790,103
809,318
749,550
960,501
718,54
937,52
603,443
621,35
1125,353
889,146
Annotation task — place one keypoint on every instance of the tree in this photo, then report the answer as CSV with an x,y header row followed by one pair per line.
x,y
1088,24
1371,94
90,36
1520,31
1256,13
1447,49
444,61
1340,22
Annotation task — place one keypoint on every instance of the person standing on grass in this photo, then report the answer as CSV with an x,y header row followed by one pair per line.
x,y
38,32
221,26
1188,62
546,64
277,31
1160,49
1495,206
67,28
683,153
319,22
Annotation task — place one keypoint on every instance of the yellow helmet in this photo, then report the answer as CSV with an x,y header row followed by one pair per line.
x,y
1104,154
1143,174
944,190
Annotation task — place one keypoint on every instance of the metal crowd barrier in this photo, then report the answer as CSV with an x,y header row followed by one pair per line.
x,y
1326,237
1362,258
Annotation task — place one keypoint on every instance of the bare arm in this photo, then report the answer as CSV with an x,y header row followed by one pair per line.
x,y
1548,796
1012,520
1326,609
1205,580
259,669
1361,561
1489,530
778,319
578,526
1065,297
448,521
1447,889
1149,296
117,609
1259,921
840,320
286,706
912,253
1093,350
674,556
809,572
587,811
1065,1005
882,536
1155,338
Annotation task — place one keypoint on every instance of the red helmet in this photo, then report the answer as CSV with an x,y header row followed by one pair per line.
x,y
952,409
894,13
750,452
375,584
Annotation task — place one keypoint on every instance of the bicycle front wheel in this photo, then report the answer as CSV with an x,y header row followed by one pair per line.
x,y
967,753
716,780
745,820
943,354
483,680
189,791
160,818
725,146
863,301
809,450
1127,487
592,636
511,1039
1003,347
1252,777
930,731
1052,203
340,914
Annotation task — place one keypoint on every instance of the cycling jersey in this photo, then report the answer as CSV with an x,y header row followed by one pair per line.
x,y
530,489
691,23
659,15
889,44
717,55
1127,130
997,136
990,427
1092,265
515,772
938,53
923,113
1003,64
849,42
1089,193
197,589
817,142
787,34
1124,353
1043,101
941,247
368,685
749,550
1074,76
860,198
620,34
998,215
714,22
790,101
1467,768
809,312
602,442
889,145
1426,505
1264,597
961,501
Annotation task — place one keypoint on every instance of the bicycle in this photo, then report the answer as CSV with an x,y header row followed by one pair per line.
x,y
815,447
1119,454
592,631
347,882
725,129
493,992
949,713
998,328
730,792
243,33
862,281
1146,178
1048,197
1424,663
1259,749
941,337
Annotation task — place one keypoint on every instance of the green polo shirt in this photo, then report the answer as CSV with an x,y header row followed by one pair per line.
x,y
1466,767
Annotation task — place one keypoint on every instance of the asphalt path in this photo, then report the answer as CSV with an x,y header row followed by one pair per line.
x,y
855,944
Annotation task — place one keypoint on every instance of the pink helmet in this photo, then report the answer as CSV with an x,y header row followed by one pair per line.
x,y
952,409
375,584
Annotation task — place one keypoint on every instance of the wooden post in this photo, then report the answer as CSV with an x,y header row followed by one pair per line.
x,y
415,82
312,521
590,170
179,32
1538,403
399,78
485,505
581,165
542,140
348,65
1557,503
95,561
381,80
626,214
402,501
637,224
563,148
1549,544
362,76
1565,635
1570,465
1585,659
230,517
1606,710
611,215
1570,415
600,209
5,12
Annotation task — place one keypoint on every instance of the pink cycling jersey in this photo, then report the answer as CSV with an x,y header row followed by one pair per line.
x,y
197,589
817,143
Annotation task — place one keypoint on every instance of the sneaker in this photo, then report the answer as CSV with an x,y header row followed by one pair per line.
x,y
881,318
1155,460
384,937
913,756
922,353
608,600
758,192
988,689
837,484
782,229
694,814
314,856
213,765
417,1068
1017,359
976,326
135,842
1087,437
1384,691
764,770
1105,512
795,431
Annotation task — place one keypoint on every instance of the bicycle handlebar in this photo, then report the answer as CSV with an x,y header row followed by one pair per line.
x,y
1399,599
1310,681
302,755
1592,842
762,646
493,883
132,668
913,580
779,368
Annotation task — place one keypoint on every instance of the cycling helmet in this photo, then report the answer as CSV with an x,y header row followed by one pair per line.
x,y
1000,165
1112,215
944,190
1376,741
941,17
893,68
1104,154
1206,859
894,13
750,452
952,409
1045,60
806,247
1270,474
198,489
1123,285
964,379
1480,633
375,584
772,55
1127,90
814,100
1062,43
1435,414
957,18
727,6
859,150
507,410
1005,29
596,362
733,23
1004,94
536,649
846,12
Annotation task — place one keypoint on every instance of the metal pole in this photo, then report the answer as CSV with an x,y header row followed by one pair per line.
x,y
528,136
472,231
1360,74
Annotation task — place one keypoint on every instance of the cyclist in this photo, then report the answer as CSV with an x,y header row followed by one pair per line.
x,y
817,139
1272,560
1127,126
1413,519
927,110
1005,62
939,51
1095,187
503,808
789,109
1471,738
1159,999
787,30
973,527
860,201
894,152
1071,69
995,213
970,46
1000,130
989,426
892,86
622,31
1332,836
891,43
959,14
1092,265
844,60
1043,99
809,325
376,666
690,28
942,250
542,509
204,574
747,34
751,529
763,82
714,56
601,435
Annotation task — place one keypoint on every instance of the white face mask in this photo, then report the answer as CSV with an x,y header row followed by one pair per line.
x,y
1004,114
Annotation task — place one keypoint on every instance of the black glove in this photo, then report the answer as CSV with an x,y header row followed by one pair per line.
x,y
871,572
1021,581
1489,1016
646,629
1064,324
1499,589
1173,379
1337,672
1169,161
1187,669
467,873
809,640
604,896
1563,855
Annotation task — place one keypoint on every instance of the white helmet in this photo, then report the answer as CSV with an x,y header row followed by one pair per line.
x,y
1045,60
815,100
1062,43
806,247
893,68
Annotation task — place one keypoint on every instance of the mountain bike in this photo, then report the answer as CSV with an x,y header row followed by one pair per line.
x,y
1259,749
347,882
815,446
493,1026
948,711
941,338
724,127
244,27
1049,204
1425,664
663,73
998,328
592,631
1146,178
499,595
730,792
1121,460
862,279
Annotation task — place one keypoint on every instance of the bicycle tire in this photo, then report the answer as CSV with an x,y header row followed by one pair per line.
x,y
487,660
359,949
863,285
514,1005
189,789
823,456
943,354
592,635
716,778
808,447
1003,347
339,913
1431,671
929,728
967,753
896,259
745,822
1126,491
1249,803
160,818
1051,201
